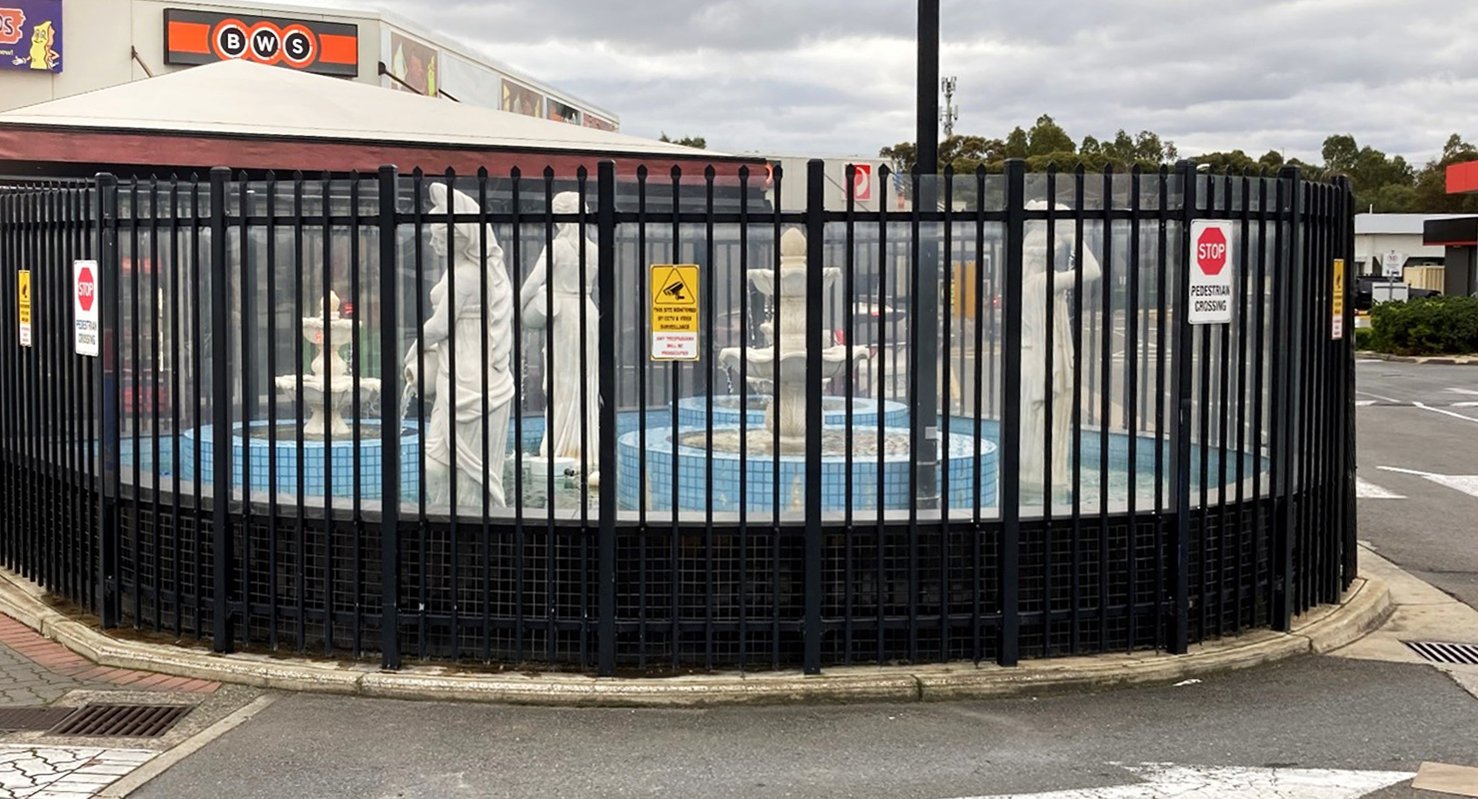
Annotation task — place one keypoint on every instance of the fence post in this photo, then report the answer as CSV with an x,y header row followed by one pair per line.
x,y
1181,456
1347,363
389,425
105,375
1009,650
815,330
223,544
1285,290
606,298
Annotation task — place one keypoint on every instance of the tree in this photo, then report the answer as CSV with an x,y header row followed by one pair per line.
x,y
900,157
696,142
1429,190
1048,138
1016,143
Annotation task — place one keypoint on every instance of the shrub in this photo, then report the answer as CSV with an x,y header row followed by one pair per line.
x,y
1426,326
1364,338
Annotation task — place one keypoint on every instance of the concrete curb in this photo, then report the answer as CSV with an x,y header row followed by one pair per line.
x,y
1440,360
1364,607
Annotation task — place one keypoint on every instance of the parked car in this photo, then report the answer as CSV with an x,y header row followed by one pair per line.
x,y
1365,291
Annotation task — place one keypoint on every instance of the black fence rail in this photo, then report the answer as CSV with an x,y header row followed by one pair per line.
x,y
645,423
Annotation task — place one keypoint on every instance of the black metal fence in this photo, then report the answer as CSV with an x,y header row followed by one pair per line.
x,y
982,427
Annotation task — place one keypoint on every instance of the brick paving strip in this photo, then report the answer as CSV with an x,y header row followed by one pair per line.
x,y
60,669
63,772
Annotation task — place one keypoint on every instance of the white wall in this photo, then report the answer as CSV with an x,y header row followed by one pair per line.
x,y
1372,247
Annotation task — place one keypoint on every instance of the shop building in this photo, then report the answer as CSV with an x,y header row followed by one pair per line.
x,y
52,49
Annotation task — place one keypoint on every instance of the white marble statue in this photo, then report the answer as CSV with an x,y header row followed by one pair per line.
x,y
483,349
1037,273
558,287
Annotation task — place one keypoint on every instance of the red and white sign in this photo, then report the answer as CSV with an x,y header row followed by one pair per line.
x,y
862,182
1211,279
86,310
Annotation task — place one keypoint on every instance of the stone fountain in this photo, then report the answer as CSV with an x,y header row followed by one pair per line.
x,y
329,387
327,454
786,413
721,458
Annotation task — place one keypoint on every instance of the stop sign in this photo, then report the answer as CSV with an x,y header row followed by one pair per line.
x,y
86,289
1211,251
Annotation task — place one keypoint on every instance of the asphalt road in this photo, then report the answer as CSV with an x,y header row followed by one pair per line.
x,y
1421,419
1312,712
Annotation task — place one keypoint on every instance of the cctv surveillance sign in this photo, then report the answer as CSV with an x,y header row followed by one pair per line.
x,y
674,318
199,37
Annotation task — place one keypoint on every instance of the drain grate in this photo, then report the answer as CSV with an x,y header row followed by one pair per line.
x,y
19,719
1438,652
122,721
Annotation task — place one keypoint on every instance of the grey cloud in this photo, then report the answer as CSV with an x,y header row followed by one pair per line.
x,y
836,76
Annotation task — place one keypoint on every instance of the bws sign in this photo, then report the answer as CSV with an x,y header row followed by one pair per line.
x,y
197,37
1211,273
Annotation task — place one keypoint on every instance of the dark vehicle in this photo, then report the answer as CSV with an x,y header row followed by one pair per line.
x,y
1365,291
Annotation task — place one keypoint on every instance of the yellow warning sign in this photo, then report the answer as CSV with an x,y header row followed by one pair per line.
x,y
23,295
1337,321
675,314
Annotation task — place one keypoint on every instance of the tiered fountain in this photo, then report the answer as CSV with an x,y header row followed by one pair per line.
x,y
328,447
875,479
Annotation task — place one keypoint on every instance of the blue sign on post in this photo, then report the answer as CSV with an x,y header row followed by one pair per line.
x,y
31,35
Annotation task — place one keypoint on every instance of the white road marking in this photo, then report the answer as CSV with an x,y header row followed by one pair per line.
x,y
1368,490
1466,483
1364,403
1379,397
1219,782
1445,412
1470,392
1465,404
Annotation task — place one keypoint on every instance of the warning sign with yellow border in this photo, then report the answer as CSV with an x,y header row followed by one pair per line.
x,y
23,297
675,315
1337,328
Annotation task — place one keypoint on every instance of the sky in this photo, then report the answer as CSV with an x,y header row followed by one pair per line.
x,y
837,77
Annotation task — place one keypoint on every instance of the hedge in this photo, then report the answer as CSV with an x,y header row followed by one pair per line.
x,y
1426,326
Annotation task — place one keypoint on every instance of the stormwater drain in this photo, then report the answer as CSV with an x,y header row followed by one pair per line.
x,y
1437,652
121,721
22,719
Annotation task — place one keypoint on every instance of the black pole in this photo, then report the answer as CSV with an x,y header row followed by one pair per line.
x,y
1181,455
1009,651
105,375
925,326
220,383
606,294
390,424
815,330
928,99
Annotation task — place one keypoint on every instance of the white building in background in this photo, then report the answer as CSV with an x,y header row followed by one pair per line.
x,y
50,49
871,192
1376,235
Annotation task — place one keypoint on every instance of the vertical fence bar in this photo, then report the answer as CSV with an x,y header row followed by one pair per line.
x,y
220,382
105,375
1347,404
390,425
815,327
1181,462
1289,186
606,299
1009,652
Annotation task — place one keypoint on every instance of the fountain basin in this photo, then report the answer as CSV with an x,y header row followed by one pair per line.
x,y
325,465
693,412
873,484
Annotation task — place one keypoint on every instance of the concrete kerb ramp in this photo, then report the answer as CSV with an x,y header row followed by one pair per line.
x,y
1363,608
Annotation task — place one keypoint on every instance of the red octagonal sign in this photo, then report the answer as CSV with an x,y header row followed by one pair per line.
x,y
86,289
1211,251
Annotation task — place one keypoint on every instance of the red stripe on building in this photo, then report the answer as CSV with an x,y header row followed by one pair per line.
x,y
189,37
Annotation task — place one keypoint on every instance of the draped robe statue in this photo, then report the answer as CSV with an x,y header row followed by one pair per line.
x,y
468,344
559,288
1041,283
